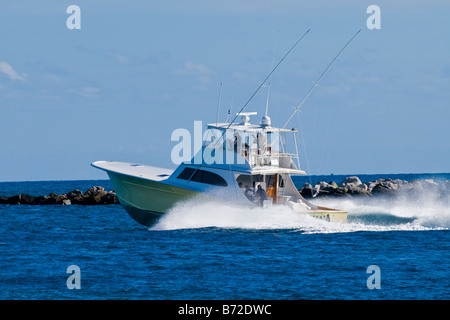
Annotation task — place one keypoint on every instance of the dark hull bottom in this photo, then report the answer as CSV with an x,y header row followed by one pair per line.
x,y
144,217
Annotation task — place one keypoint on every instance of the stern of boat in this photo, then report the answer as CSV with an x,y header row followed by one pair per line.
x,y
328,214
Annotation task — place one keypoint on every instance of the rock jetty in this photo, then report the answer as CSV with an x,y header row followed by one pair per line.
x,y
352,186
92,196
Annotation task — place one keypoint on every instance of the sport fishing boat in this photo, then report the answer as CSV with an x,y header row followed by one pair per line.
x,y
240,163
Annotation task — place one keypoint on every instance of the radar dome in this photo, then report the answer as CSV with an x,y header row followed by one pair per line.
x,y
265,121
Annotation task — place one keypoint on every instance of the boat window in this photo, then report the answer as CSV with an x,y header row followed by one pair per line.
x,y
209,178
186,173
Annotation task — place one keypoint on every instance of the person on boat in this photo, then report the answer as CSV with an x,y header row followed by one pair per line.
x,y
248,192
261,143
261,194
237,143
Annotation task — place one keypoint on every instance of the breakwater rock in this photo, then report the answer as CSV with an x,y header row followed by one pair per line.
x,y
92,196
352,186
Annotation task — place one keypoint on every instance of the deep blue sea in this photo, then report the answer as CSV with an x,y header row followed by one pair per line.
x,y
209,252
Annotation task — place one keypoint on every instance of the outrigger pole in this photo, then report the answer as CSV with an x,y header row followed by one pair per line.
x,y
317,82
265,80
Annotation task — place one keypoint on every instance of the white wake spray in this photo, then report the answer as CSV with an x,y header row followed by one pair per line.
x,y
403,213
424,208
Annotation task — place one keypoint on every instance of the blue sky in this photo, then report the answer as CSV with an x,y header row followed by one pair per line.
x,y
137,70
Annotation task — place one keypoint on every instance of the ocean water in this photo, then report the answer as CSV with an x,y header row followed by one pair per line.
x,y
214,251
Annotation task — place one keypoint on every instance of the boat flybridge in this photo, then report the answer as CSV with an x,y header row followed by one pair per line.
x,y
242,164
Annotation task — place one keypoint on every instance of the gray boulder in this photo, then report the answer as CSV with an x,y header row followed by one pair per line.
x,y
27,199
353,181
360,190
74,193
341,192
15,199
384,187
110,198
307,190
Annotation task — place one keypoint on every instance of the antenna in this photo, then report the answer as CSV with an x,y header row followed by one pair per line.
x,y
260,86
317,82
218,104
273,70
228,116
267,102
268,89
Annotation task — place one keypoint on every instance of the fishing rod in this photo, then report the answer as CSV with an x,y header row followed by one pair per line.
x,y
218,103
260,86
317,82
265,80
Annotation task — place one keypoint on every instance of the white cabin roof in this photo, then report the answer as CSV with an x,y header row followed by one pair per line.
x,y
134,169
246,127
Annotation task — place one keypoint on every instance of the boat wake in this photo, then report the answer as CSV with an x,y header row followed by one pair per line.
x,y
364,214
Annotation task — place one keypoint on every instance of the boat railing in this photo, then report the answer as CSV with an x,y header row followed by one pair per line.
x,y
282,160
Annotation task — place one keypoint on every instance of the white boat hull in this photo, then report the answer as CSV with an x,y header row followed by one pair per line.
x,y
146,200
